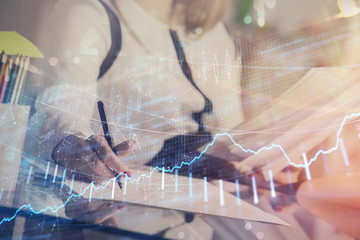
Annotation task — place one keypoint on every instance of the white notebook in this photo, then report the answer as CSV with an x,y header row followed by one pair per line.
x,y
13,123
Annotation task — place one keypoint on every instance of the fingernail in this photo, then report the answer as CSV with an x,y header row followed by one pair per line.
x,y
128,173
124,146
278,209
130,143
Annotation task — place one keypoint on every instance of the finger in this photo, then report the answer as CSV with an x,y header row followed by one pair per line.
x,y
102,172
105,154
243,169
125,148
288,175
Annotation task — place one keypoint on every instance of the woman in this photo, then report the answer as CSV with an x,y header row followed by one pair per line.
x,y
174,85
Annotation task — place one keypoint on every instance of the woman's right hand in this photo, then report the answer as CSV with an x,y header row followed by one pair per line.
x,y
92,158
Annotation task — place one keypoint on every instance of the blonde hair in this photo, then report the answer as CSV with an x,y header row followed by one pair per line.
x,y
204,14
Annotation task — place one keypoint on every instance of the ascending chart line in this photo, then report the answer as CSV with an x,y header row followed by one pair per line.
x,y
267,148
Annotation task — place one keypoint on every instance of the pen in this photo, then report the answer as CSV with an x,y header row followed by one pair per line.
x,y
108,137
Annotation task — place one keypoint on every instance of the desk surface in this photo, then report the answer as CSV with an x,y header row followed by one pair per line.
x,y
150,210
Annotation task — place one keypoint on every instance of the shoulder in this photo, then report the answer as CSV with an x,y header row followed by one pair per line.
x,y
80,6
79,12
75,24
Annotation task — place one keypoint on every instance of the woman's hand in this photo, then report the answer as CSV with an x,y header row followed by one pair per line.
x,y
92,158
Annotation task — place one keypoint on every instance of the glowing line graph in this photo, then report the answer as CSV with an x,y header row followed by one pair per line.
x,y
268,148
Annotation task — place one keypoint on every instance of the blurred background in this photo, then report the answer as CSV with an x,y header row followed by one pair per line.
x,y
250,17
248,20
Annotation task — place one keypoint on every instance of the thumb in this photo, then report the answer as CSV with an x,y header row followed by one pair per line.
x,y
125,148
